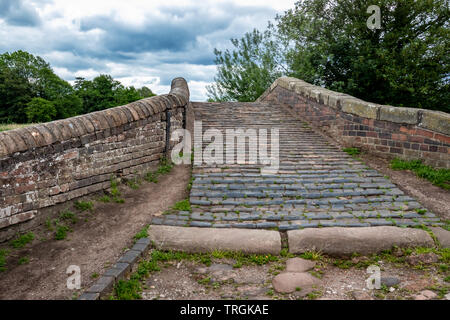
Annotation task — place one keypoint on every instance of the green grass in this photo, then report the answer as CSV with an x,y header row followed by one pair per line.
x,y
134,183
12,126
84,205
183,205
131,289
128,289
446,225
312,255
22,241
24,260
115,192
438,177
61,232
3,254
68,215
352,151
105,199
142,234
165,166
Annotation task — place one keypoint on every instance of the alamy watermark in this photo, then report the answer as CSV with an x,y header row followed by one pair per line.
x,y
231,149
74,279
374,21
374,281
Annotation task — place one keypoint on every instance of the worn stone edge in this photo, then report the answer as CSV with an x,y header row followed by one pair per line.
x,y
124,265
426,239
45,134
428,119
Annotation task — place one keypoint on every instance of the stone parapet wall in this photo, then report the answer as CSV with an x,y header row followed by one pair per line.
x,y
407,133
49,164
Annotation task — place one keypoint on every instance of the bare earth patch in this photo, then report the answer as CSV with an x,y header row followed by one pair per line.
x,y
93,245
180,280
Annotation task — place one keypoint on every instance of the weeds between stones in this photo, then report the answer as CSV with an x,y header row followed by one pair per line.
x,y
132,288
157,260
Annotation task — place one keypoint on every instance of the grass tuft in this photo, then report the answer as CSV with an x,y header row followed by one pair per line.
x,y
438,177
22,241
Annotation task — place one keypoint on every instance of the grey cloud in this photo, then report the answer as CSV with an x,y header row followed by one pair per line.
x,y
19,13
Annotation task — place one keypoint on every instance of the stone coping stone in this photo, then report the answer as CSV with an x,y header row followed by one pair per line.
x,y
204,240
341,241
36,136
429,119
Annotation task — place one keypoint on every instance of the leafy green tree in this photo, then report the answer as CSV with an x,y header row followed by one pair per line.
x,y
145,92
404,63
15,93
24,77
328,43
247,71
40,110
104,92
28,83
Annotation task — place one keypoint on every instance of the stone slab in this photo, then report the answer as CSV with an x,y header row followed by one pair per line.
x,y
443,236
194,239
339,241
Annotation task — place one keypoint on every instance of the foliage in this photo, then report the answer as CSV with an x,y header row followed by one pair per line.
x,y
247,71
352,151
40,110
328,43
22,241
3,255
142,234
61,232
405,63
438,177
31,91
104,92
84,205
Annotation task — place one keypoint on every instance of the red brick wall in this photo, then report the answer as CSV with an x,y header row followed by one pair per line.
x,y
385,138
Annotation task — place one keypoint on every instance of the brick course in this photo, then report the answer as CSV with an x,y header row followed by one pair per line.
x,y
387,131
51,163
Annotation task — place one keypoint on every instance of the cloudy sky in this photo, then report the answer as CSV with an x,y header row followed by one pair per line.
x,y
138,42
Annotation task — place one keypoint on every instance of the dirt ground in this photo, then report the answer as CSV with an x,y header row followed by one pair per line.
x,y
190,280
97,241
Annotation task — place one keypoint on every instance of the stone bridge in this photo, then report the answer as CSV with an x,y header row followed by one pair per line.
x,y
316,185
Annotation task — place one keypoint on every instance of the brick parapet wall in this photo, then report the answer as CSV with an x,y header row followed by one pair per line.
x,y
407,133
48,164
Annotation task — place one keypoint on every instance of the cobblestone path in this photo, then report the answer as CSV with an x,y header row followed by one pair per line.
x,y
317,185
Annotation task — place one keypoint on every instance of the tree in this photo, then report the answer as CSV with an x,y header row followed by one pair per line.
x,y
104,92
145,92
40,110
24,77
28,84
405,63
15,93
247,71
328,43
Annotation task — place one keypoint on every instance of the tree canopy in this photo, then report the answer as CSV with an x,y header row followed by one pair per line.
x,y
328,43
31,92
